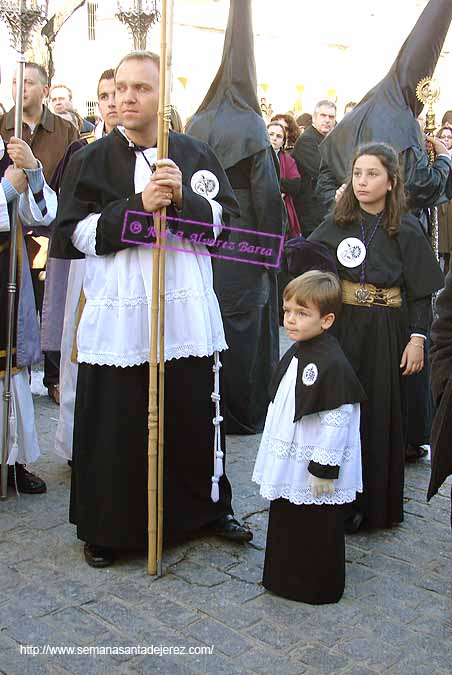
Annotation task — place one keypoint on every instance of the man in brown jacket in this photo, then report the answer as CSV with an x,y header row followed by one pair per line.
x,y
48,135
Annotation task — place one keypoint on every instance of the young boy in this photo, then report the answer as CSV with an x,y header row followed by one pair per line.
x,y
309,459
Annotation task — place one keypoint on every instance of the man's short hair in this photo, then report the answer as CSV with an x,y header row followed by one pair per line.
x,y
327,104
42,73
61,86
108,74
318,289
139,55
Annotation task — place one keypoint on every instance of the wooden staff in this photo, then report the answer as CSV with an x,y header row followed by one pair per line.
x,y
156,403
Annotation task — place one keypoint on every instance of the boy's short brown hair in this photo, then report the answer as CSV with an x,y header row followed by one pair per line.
x,y
319,289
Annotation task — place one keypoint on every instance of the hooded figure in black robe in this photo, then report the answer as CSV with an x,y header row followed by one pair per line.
x,y
388,113
230,121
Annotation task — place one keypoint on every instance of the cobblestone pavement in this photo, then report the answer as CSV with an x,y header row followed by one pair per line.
x,y
395,616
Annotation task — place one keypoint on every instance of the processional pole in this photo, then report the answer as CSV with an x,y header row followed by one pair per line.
x,y
156,393
427,92
12,286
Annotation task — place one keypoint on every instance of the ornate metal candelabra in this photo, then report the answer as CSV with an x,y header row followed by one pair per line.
x,y
138,16
22,17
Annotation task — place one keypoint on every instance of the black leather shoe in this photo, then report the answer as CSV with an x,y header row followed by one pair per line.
x,y
27,482
98,556
353,522
414,453
229,528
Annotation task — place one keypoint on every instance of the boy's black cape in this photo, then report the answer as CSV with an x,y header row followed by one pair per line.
x,y
336,383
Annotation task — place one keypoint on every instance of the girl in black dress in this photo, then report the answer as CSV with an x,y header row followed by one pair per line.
x,y
388,272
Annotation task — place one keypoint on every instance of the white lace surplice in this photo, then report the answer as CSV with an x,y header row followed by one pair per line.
x,y
330,437
115,326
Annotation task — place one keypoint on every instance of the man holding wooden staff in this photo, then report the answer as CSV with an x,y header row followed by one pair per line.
x,y
102,183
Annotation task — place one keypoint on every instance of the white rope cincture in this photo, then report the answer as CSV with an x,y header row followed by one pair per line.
x,y
218,454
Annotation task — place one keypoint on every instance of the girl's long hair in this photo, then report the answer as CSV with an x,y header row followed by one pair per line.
x,y
347,210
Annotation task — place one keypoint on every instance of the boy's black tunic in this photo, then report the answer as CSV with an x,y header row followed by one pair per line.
x,y
109,476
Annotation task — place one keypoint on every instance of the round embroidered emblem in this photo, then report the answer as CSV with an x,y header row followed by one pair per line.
x,y
310,374
351,252
205,183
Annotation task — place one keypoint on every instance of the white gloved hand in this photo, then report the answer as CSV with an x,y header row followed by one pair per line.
x,y
321,486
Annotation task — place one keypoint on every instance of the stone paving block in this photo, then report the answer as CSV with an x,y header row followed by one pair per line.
x,y
206,554
237,591
114,639
36,600
10,577
85,664
128,620
437,628
412,666
129,590
168,612
278,637
14,663
81,626
357,573
199,575
160,665
246,572
265,662
322,660
10,613
231,614
375,653
30,631
280,610
222,638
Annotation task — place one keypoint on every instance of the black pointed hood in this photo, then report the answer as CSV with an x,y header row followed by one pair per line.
x,y
388,111
230,119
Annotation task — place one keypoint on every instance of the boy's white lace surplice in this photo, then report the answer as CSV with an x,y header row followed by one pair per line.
x,y
330,437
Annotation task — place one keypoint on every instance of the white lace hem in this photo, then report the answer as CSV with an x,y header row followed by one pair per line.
x,y
303,495
306,453
127,360
178,295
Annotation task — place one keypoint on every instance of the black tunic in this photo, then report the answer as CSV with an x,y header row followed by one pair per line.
x,y
373,339
109,477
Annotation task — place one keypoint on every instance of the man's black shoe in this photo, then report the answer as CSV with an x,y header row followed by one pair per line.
x,y
229,528
98,556
27,482
414,453
353,522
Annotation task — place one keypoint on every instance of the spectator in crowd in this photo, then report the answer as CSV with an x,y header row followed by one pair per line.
x,y
349,106
290,180
307,156
447,119
24,183
304,121
291,127
445,210
48,135
60,97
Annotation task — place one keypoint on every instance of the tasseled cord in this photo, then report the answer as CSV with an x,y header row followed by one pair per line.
x,y
217,420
